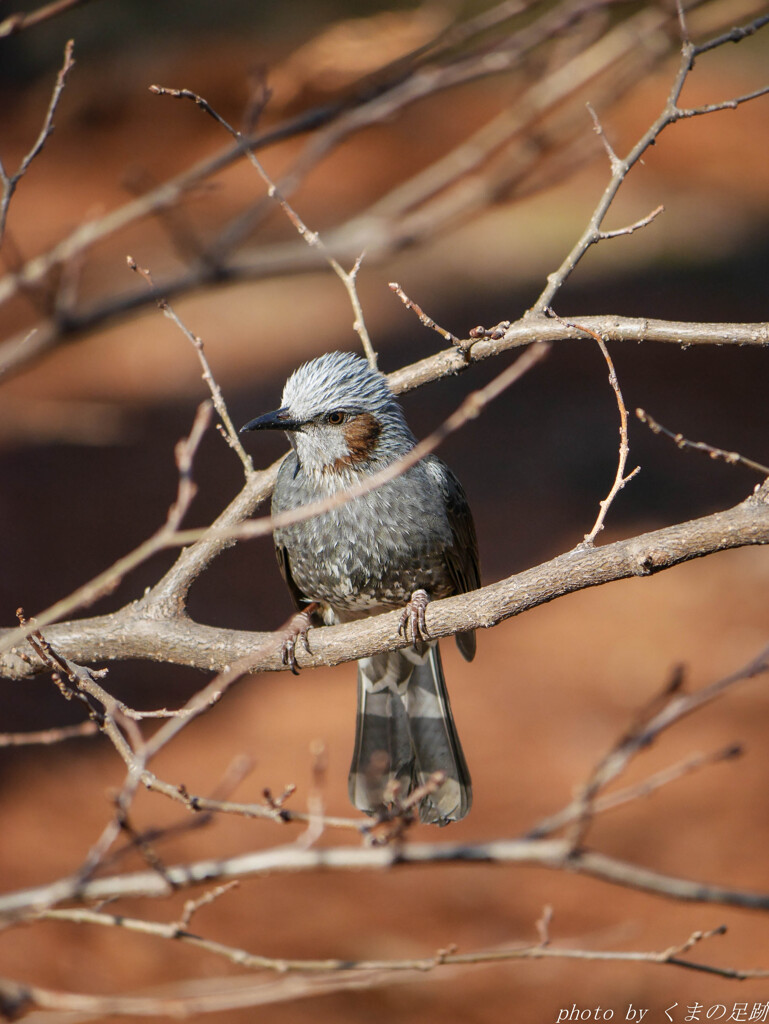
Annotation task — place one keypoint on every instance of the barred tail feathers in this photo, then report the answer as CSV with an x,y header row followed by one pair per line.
x,y
405,732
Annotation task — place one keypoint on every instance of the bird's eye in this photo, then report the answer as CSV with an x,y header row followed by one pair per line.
x,y
335,418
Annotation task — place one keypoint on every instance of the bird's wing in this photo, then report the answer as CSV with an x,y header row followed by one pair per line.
x,y
281,553
462,555
280,503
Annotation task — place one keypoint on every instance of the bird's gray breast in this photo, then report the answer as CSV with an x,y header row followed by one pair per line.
x,y
375,549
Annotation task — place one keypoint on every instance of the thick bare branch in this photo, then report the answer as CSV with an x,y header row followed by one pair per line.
x,y
169,535
556,854
134,633
156,626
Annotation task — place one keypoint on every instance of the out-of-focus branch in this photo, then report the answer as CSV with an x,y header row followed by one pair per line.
x,y
555,854
300,979
47,737
501,155
18,22
391,95
312,238
414,211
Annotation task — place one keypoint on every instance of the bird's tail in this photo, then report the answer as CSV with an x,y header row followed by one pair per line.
x,y
405,732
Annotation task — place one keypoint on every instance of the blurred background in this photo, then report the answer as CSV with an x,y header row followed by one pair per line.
x,y
93,402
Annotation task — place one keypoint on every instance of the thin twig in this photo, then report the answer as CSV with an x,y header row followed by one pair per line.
x,y
734,35
712,108
733,458
682,24
9,182
621,167
422,316
544,949
191,907
624,449
312,238
670,707
18,22
230,433
614,160
46,737
635,226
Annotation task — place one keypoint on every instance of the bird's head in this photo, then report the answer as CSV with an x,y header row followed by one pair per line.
x,y
339,414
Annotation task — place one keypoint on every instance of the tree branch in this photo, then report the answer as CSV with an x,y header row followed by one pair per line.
x,y
621,167
299,979
555,854
18,22
174,931
715,453
623,54
133,632
10,182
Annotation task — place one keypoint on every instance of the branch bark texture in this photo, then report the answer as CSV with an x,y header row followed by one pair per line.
x,y
144,630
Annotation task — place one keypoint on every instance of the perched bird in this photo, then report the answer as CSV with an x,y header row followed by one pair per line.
x,y
409,540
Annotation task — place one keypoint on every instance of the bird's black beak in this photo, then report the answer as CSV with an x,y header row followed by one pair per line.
x,y
278,420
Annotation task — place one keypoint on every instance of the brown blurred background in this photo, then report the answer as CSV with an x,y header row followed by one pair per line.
x,y
86,463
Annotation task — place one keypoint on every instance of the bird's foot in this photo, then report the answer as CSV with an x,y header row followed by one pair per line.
x,y
414,617
296,629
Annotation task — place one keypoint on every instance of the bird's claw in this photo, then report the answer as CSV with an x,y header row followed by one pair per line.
x,y
288,653
413,617
296,630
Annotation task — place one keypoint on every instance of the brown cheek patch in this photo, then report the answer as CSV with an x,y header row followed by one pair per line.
x,y
361,435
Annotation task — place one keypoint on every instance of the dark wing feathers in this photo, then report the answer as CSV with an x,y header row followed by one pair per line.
x,y
281,553
462,557
280,504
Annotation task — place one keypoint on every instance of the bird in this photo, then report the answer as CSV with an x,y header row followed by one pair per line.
x,y
397,546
